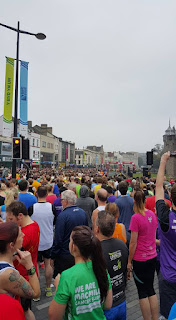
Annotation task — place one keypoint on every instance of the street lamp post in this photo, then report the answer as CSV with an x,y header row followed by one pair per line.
x,y
40,36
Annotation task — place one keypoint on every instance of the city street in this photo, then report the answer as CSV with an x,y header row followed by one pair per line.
x,y
40,308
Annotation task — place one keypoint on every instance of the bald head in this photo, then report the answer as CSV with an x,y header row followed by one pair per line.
x,y
102,195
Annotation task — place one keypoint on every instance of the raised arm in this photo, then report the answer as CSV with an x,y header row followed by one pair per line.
x,y
159,193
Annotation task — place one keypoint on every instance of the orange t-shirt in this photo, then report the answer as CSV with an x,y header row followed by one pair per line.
x,y
36,184
118,232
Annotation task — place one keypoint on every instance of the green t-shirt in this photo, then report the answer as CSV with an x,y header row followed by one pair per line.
x,y
78,288
78,186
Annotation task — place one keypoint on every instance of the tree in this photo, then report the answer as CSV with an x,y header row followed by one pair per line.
x,y
157,153
140,162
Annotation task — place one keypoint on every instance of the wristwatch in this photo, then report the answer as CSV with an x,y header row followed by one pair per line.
x,y
31,271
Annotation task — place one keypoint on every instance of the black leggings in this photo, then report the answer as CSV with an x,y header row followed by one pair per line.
x,y
143,273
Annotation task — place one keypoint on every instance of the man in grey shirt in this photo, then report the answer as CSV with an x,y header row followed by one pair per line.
x,y
86,203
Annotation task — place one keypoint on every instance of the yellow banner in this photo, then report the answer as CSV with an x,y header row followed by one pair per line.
x,y
83,155
8,97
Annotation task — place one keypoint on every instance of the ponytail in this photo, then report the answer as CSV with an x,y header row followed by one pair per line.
x,y
99,267
139,202
90,248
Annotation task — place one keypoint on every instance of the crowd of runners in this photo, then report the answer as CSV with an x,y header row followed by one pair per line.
x,y
91,234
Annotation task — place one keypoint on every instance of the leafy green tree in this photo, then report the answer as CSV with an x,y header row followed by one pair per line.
x,y
140,162
157,153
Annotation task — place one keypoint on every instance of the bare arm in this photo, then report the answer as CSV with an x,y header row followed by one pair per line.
x,y
159,193
24,258
56,310
132,249
14,283
108,300
94,218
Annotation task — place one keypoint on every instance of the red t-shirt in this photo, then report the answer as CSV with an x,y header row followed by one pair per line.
x,y
50,198
172,181
150,203
30,243
10,308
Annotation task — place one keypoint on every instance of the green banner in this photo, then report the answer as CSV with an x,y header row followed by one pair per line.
x,y
8,97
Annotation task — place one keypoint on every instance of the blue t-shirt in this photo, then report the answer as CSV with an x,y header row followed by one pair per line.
x,y
27,198
56,190
172,314
125,205
3,212
58,206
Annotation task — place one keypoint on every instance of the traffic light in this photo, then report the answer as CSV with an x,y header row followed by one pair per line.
x,y
25,149
17,148
149,158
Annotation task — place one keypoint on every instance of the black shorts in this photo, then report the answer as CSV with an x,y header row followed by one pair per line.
x,y
167,295
63,263
143,273
26,303
44,254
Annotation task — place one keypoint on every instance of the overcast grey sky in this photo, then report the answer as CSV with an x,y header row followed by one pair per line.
x,y
106,73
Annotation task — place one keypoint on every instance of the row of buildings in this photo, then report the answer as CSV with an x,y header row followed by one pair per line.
x,y
46,149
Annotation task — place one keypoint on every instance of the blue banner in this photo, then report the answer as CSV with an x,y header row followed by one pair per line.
x,y
24,99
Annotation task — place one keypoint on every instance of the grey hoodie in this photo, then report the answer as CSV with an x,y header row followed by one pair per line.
x,y
86,203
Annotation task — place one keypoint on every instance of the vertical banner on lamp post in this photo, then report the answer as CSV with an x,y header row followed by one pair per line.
x,y
66,156
24,99
96,160
8,98
83,157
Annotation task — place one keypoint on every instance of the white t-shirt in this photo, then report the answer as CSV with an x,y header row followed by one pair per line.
x,y
43,215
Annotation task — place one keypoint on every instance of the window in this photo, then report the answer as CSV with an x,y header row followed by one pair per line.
x,y
79,161
38,154
33,154
48,145
33,142
51,145
43,144
37,143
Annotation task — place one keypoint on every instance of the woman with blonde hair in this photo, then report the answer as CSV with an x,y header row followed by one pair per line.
x,y
2,190
142,254
11,195
111,183
50,196
120,231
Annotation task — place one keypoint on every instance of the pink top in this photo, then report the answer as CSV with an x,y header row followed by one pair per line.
x,y
50,198
146,227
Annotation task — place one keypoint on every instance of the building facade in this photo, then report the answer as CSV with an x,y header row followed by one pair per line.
x,y
34,147
54,150
91,156
5,151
